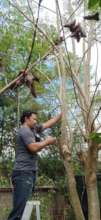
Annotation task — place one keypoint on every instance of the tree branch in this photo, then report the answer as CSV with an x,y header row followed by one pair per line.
x,y
20,76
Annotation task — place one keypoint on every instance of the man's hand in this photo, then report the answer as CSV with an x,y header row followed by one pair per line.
x,y
50,140
38,146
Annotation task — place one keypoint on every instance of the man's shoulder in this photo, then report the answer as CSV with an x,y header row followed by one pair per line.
x,y
24,130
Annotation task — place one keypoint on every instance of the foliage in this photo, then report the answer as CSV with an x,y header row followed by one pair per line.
x,y
51,168
3,182
94,4
44,181
96,137
4,214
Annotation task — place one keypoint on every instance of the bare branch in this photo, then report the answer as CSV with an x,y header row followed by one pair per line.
x,y
83,134
10,84
30,9
19,77
46,8
47,79
34,36
95,117
93,98
41,59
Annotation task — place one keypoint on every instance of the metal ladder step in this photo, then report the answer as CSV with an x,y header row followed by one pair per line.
x,y
28,210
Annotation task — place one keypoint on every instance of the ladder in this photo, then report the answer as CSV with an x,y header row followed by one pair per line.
x,y
28,210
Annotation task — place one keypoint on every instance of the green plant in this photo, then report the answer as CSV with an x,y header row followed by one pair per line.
x,y
93,4
4,182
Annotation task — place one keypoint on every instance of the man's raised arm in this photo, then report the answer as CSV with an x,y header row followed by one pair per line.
x,y
52,121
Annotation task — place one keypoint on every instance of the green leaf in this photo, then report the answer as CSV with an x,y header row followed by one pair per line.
x,y
95,137
93,3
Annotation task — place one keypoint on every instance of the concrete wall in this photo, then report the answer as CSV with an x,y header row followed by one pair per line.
x,y
5,203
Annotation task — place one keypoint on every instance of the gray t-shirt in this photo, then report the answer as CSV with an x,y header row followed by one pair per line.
x,y
24,158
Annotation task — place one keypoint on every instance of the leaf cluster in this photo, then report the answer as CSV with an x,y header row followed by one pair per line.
x,y
96,137
94,4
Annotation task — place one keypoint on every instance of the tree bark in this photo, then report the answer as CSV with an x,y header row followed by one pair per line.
x,y
73,191
91,183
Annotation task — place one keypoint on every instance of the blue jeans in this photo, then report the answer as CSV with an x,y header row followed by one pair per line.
x,y
23,183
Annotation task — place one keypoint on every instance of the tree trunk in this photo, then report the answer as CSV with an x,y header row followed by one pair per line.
x,y
66,148
91,184
93,202
66,142
73,191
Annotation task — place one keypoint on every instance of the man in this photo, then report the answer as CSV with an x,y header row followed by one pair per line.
x,y
25,168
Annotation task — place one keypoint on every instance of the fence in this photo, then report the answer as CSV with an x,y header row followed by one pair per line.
x,y
52,207
53,204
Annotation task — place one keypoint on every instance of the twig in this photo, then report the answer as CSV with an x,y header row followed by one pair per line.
x,y
30,9
46,8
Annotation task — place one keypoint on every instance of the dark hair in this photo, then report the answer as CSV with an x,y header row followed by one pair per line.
x,y
26,114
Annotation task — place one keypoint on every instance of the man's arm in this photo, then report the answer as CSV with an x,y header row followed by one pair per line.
x,y
51,122
38,146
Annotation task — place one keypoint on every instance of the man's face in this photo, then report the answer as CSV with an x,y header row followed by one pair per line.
x,y
32,120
